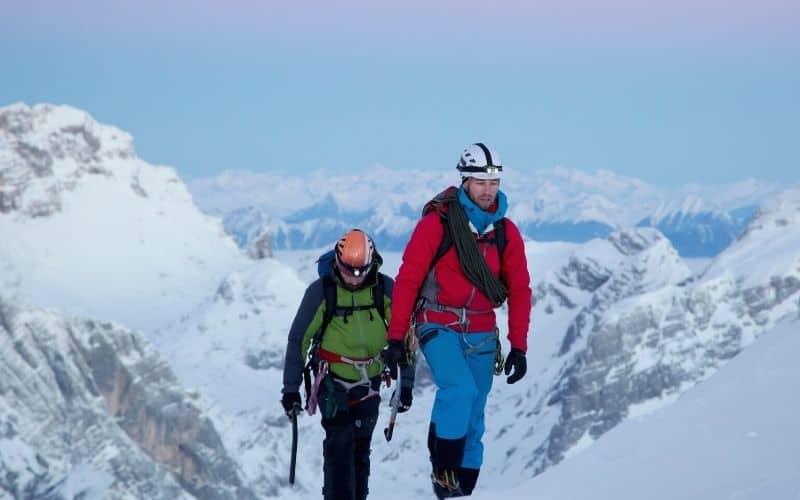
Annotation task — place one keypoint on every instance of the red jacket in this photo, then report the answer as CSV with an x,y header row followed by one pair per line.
x,y
452,288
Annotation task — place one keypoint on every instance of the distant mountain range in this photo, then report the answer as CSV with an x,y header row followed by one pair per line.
x,y
558,204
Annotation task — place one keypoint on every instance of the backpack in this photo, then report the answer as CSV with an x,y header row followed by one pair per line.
x,y
447,239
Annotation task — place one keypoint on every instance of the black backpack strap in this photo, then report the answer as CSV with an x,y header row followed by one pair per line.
x,y
500,240
378,292
500,235
444,244
329,291
329,287
436,204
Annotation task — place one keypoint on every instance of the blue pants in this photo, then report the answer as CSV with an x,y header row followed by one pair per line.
x,y
462,365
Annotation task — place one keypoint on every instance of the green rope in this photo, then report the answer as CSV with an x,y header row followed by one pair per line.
x,y
469,257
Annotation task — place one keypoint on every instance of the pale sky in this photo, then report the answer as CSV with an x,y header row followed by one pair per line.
x,y
670,92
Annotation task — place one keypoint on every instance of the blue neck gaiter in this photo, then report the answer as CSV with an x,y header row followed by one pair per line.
x,y
480,218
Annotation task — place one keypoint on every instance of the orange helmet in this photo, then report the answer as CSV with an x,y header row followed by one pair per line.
x,y
354,253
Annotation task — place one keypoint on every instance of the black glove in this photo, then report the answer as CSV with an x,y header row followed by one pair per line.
x,y
393,354
406,397
291,403
516,360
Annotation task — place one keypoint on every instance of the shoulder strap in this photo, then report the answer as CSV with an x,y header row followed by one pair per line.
x,y
329,290
378,291
500,235
444,244
437,204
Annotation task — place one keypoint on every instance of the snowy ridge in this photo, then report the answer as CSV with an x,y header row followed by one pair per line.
x,y
729,437
769,246
634,346
557,204
692,204
696,229
230,349
47,149
96,231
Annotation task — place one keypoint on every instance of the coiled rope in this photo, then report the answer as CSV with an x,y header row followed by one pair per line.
x,y
472,263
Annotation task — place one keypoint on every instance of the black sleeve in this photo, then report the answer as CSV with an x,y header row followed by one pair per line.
x,y
302,327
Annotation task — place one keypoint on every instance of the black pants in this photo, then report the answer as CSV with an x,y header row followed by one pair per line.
x,y
346,448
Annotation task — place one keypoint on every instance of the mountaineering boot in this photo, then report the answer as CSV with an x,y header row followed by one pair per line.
x,y
445,484
467,478
446,455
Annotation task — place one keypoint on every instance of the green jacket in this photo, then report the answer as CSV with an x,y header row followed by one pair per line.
x,y
356,334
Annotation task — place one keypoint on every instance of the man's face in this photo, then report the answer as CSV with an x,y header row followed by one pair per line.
x,y
351,281
482,192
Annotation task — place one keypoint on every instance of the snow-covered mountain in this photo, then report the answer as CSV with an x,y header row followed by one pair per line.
x,y
617,340
557,204
621,327
90,228
89,409
231,349
696,230
93,231
730,437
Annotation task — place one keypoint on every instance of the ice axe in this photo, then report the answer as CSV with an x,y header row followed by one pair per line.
x,y
394,404
293,419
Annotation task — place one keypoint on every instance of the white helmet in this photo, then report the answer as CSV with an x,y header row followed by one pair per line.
x,y
480,161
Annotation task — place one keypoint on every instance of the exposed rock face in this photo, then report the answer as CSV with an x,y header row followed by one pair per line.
x,y
82,393
642,332
45,149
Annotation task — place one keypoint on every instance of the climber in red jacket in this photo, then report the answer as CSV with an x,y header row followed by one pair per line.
x,y
464,259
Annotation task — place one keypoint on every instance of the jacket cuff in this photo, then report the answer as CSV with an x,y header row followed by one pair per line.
x,y
395,335
519,346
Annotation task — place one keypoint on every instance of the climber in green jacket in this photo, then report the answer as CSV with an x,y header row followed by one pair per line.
x,y
340,328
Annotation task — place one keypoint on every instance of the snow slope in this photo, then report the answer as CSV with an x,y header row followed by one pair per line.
x,y
730,437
